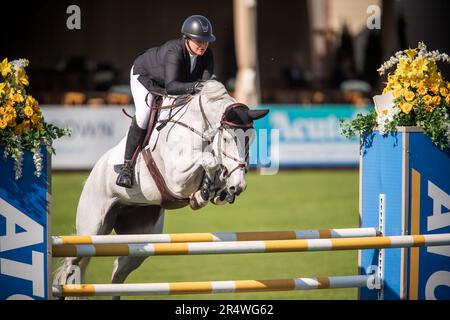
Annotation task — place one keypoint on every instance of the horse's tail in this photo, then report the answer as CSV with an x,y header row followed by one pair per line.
x,y
61,274
68,273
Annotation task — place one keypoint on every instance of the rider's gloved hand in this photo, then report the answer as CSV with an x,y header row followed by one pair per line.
x,y
198,86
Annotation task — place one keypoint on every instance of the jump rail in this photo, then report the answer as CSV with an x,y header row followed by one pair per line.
x,y
148,249
216,237
208,287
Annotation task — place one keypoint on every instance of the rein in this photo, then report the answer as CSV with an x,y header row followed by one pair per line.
x,y
184,99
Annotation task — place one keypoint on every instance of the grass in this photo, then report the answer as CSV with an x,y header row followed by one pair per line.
x,y
290,200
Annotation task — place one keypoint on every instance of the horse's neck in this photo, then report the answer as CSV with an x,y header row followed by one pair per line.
x,y
205,113
182,173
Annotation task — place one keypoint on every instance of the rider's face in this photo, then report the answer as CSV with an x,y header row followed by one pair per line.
x,y
197,47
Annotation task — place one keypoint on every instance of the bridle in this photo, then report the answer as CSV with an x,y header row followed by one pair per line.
x,y
224,125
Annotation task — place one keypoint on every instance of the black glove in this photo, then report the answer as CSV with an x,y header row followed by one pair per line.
x,y
198,86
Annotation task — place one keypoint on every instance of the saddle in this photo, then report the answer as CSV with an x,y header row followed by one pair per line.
x,y
168,199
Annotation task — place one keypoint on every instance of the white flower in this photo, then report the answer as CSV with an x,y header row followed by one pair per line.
x,y
37,158
422,52
422,46
20,63
387,65
18,164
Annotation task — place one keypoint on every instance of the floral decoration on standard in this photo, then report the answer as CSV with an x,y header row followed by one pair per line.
x,y
416,94
22,126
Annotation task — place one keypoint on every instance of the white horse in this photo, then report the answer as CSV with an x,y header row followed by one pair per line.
x,y
201,139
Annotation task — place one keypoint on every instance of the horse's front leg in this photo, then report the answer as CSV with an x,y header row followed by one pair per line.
x,y
201,197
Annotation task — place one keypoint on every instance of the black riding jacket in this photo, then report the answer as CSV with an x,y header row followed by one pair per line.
x,y
167,68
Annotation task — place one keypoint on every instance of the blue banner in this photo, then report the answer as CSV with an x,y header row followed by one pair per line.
x,y
430,214
405,189
305,136
23,230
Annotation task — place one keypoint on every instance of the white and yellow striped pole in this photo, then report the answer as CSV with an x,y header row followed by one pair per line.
x,y
216,237
149,249
208,287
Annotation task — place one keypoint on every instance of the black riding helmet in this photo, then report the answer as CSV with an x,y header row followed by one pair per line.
x,y
198,28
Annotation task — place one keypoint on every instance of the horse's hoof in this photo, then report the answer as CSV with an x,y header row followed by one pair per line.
x,y
196,201
216,201
230,197
193,203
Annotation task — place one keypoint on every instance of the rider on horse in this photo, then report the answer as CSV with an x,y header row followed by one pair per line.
x,y
177,67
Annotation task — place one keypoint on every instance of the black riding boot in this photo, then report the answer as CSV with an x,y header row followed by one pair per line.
x,y
135,137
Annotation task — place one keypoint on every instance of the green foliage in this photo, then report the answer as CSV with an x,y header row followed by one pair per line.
x,y
435,124
362,123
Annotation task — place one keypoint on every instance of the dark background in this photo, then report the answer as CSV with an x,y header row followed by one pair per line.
x,y
114,32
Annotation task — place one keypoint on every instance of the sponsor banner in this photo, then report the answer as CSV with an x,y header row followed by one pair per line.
x,y
430,214
24,213
381,192
412,176
306,136
94,131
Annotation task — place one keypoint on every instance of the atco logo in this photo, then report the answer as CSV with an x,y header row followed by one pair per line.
x,y
22,265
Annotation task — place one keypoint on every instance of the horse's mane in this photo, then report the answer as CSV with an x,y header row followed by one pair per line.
x,y
216,93
213,94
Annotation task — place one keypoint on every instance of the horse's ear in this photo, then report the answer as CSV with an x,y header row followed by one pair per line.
x,y
258,113
230,113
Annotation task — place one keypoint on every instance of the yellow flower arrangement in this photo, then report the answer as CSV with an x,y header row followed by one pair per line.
x,y
420,97
22,126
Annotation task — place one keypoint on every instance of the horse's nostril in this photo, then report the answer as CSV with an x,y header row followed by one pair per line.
x,y
222,196
232,189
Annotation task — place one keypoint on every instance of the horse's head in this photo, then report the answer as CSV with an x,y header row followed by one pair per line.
x,y
231,146
228,133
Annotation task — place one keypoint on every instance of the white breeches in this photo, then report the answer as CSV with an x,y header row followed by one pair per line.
x,y
140,93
